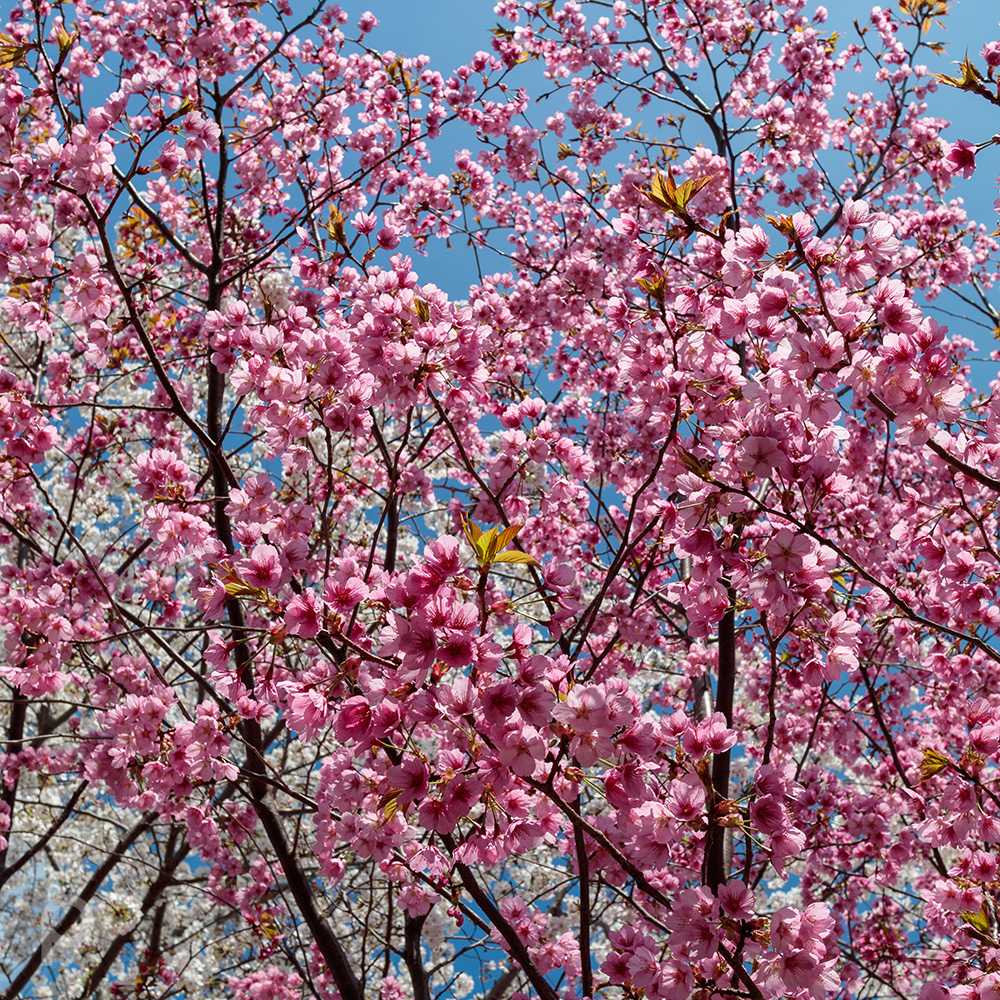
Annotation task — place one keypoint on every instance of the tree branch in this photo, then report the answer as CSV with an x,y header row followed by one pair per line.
x,y
75,909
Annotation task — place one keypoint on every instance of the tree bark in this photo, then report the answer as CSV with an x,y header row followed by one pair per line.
x,y
716,863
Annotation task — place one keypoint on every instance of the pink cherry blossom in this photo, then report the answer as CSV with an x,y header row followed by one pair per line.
x,y
519,513
304,615
961,158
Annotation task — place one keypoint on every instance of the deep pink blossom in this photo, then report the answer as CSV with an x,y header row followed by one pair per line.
x,y
961,158
723,642
304,615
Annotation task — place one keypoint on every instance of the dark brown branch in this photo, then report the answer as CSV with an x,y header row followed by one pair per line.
x,y
955,463
583,876
501,985
7,873
15,734
326,941
392,506
639,877
149,900
329,947
76,908
716,869
517,947
414,959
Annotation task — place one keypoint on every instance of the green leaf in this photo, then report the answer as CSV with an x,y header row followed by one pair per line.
x,y
65,41
980,921
507,536
389,805
934,762
12,52
971,78
516,557
654,288
661,191
335,227
487,544
689,189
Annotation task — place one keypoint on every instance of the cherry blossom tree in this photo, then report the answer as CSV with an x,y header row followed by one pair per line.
x,y
623,625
